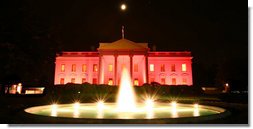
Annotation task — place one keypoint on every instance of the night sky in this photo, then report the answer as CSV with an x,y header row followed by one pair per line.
x,y
215,31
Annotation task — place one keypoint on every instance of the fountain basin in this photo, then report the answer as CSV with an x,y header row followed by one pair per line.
x,y
110,111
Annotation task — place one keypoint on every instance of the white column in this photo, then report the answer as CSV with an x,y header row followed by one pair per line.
x,y
100,70
89,68
146,61
131,66
115,69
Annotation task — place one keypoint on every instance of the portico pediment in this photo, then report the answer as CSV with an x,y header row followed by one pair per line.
x,y
123,44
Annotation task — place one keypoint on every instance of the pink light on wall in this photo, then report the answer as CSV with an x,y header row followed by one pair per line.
x,y
105,66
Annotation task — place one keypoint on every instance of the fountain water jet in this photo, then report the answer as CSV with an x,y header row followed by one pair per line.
x,y
126,101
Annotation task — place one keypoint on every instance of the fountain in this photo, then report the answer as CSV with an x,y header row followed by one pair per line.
x,y
126,96
126,107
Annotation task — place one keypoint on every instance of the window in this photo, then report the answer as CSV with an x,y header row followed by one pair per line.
x,y
184,67
163,80
94,81
152,80
73,80
62,81
174,81
95,67
151,67
163,68
63,68
84,80
110,67
135,67
136,82
184,81
73,68
173,68
110,81
84,68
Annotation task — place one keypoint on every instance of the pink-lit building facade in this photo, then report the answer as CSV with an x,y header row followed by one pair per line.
x,y
105,65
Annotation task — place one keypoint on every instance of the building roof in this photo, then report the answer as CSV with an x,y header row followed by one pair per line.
x,y
123,44
78,54
170,54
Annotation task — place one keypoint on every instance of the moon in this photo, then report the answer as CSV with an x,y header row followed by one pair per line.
x,y
123,7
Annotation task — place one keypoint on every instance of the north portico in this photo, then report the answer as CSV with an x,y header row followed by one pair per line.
x,y
125,53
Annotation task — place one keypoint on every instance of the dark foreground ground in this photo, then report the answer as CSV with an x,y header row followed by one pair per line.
x,y
12,106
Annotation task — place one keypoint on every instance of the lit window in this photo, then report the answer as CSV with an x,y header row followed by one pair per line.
x,y
110,67
152,67
73,68
84,68
84,80
135,67
19,88
73,80
63,68
162,68
174,81
110,81
173,68
183,67
163,80
95,67
136,82
184,81
62,81
94,81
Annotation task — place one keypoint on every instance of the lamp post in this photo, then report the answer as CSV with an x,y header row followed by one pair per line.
x,y
226,88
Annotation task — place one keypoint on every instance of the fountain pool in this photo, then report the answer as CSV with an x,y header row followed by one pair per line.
x,y
109,111
126,107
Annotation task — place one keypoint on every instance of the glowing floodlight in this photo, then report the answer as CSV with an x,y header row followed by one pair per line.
x,y
54,110
196,110
149,104
174,109
54,106
100,105
196,105
76,106
173,104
